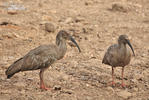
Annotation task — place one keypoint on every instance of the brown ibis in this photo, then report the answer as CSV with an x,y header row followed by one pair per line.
x,y
42,57
119,55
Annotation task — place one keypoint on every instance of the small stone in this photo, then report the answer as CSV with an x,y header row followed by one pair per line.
x,y
12,12
30,79
134,81
79,19
88,3
49,27
53,11
86,38
57,87
68,20
67,91
46,18
135,89
119,7
87,85
124,94
109,88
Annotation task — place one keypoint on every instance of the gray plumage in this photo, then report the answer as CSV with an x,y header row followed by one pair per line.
x,y
37,58
119,55
43,56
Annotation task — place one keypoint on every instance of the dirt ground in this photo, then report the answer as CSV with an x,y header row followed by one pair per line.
x,y
95,24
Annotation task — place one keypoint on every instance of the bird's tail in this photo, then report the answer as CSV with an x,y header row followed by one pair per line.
x,y
14,68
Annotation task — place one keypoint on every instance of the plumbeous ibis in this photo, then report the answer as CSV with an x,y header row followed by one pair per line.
x,y
119,55
42,57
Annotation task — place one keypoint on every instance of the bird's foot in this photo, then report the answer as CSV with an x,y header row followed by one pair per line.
x,y
44,88
123,85
112,84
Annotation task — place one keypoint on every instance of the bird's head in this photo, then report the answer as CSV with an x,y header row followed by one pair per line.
x,y
124,39
63,35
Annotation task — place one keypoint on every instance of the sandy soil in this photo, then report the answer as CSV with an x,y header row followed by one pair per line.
x,y
95,24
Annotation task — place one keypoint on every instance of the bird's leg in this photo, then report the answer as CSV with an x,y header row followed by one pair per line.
x,y
113,83
42,85
122,84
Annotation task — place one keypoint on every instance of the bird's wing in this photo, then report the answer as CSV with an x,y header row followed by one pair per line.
x,y
109,55
40,57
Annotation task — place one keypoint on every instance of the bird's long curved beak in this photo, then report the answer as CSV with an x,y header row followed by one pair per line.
x,y
73,40
128,42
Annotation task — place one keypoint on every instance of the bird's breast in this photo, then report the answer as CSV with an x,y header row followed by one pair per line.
x,y
124,56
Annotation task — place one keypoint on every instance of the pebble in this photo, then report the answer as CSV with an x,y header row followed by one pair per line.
x,y
12,12
57,87
46,18
109,88
68,20
79,19
67,91
135,89
119,7
49,27
124,94
134,81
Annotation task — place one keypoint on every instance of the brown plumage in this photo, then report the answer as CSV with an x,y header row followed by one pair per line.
x,y
118,55
42,57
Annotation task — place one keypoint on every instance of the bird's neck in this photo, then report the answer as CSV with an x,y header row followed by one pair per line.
x,y
122,49
122,45
61,48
